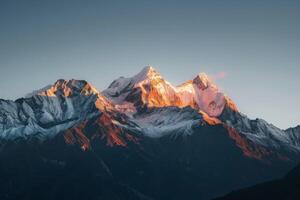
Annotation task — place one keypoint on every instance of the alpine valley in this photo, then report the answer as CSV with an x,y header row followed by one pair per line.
x,y
141,138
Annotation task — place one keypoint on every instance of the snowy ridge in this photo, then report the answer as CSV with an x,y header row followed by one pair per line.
x,y
200,94
261,132
294,135
175,121
151,89
52,110
36,92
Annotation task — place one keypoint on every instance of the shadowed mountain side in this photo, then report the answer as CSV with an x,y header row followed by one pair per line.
x,y
190,167
287,188
61,172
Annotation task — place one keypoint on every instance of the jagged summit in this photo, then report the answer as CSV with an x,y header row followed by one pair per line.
x,y
147,87
68,88
147,73
139,89
202,80
150,88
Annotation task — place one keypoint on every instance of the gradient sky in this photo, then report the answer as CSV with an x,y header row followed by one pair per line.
x,y
255,43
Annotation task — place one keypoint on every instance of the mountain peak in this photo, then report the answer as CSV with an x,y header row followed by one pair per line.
x,y
202,80
71,83
69,88
150,88
149,68
147,72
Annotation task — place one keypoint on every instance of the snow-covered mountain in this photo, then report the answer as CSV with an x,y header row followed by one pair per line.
x,y
149,88
152,106
183,140
51,110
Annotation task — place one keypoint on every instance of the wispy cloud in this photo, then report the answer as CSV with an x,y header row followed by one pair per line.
x,y
219,75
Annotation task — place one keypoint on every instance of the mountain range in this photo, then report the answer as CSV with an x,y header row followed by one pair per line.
x,y
141,138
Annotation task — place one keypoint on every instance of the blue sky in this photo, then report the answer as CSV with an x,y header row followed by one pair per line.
x,y
256,44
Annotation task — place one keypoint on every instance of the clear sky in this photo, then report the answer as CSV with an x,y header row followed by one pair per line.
x,y
256,44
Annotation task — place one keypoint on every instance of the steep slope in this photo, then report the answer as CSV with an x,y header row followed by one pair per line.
x,y
51,110
162,121
260,132
146,87
202,94
149,88
294,135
